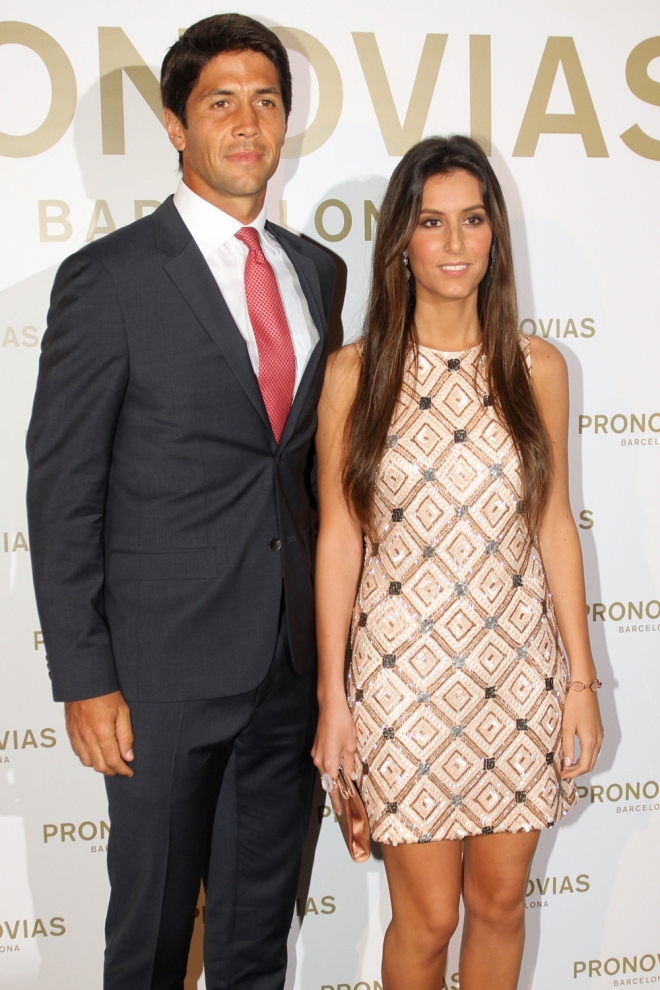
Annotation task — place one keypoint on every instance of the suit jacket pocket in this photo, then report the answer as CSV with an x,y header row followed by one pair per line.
x,y
162,565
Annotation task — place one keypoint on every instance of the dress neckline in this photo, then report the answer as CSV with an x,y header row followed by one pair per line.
x,y
435,350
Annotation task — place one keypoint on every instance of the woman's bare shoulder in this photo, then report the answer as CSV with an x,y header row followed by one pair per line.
x,y
342,373
548,363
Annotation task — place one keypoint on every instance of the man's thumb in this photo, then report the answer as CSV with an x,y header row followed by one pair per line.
x,y
125,735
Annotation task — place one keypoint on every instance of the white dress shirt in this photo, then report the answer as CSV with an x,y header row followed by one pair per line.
x,y
214,233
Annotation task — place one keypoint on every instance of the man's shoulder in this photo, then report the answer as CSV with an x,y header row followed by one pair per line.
x,y
323,260
134,246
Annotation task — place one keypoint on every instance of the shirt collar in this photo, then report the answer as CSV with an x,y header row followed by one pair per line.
x,y
210,226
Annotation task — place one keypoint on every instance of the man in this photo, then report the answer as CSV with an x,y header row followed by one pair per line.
x,y
170,517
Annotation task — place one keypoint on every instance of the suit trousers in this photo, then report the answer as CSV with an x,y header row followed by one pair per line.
x,y
221,793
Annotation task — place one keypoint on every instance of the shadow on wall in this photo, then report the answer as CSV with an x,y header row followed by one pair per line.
x,y
548,839
146,173
345,219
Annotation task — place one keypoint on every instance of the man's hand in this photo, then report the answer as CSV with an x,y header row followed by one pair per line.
x,y
101,734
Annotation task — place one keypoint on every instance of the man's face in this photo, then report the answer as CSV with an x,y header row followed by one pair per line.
x,y
235,128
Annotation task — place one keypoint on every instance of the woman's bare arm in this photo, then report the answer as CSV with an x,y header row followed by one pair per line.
x,y
339,554
562,559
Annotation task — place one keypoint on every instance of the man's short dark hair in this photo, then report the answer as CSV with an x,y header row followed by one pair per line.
x,y
184,62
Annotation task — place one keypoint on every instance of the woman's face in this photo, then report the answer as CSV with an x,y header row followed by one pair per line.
x,y
449,251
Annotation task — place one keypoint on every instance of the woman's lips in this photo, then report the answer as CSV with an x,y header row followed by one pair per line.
x,y
454,270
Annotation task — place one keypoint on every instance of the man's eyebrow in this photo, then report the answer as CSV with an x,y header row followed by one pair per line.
x,y
231,92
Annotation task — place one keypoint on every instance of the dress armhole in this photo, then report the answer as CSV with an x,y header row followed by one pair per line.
x,y
526,348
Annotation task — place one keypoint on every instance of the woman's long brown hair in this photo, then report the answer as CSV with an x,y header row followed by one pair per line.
x,y
389,331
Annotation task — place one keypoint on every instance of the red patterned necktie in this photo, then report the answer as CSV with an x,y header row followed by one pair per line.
x,y
277,362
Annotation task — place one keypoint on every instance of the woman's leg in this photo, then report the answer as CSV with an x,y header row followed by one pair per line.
x,y
495,872
425,889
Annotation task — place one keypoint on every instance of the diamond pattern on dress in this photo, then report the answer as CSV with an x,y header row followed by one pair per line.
x,y
424,658
489,659
421,732
426,590
461,401
459,550
394,623
491,509
490,728
428,513
427,440
397,553
457,678
386,698
425,803
462,473
457,697
488,797
460,625
489,587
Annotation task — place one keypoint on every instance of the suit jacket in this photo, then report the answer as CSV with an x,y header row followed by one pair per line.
x,y
163,515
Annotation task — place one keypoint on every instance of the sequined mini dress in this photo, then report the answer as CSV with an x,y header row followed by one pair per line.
x,y
457,679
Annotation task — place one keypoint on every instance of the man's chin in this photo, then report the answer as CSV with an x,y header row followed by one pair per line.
x,y
245,184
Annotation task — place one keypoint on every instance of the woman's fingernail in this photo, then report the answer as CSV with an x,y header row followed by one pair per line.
x,y
130,755
567,761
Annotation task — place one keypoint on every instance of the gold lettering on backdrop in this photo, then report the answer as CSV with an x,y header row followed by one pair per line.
x,y
64,92
48,219
145,204
646,89
397,137
97,229
371,213
560,51
118,55
331,93
480,91
319,221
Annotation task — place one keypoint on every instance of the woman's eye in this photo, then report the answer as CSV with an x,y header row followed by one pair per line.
x,y
431,222
475,220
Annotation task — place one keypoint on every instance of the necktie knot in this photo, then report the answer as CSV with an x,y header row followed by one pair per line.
x,y
250,237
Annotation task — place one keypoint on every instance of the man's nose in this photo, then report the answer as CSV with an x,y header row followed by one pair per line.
x,y
246,122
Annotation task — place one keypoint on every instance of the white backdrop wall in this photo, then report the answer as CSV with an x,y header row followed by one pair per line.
x,y
567,97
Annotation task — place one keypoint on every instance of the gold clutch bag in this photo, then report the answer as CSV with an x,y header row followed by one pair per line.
x,y
353,820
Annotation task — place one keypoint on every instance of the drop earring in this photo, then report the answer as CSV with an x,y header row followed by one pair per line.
x,y
406,264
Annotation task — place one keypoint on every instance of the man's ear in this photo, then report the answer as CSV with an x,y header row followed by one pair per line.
x,y
175,129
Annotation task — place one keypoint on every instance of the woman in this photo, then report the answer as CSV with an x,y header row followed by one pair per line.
x,y
447,542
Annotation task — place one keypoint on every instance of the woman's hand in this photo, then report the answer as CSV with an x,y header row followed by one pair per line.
x,y
581,719
336,740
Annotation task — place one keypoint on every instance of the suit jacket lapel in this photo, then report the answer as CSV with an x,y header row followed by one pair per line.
x,y
194,280
309,283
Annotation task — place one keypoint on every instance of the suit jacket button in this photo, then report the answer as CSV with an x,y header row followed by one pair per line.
x,y
274,544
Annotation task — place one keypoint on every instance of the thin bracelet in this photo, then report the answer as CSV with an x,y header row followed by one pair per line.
x,y
585,685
